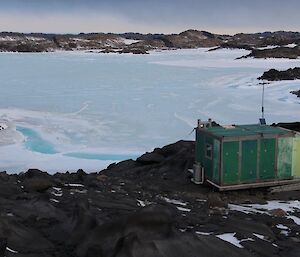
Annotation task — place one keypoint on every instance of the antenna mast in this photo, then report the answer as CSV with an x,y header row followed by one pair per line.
x,y
262,102
262,120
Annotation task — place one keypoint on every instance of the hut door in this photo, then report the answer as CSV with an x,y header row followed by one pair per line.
x,y
249,161
230,162
267,159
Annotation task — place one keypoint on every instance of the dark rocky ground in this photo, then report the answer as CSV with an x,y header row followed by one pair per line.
x,y
126,211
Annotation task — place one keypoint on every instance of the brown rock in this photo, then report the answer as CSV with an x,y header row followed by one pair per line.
x,y
278,212
102,178
37,184
215,201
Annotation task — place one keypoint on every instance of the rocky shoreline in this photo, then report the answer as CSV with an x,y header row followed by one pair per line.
x,y
147,207
276,75
138,43
277,52
297,93
135,43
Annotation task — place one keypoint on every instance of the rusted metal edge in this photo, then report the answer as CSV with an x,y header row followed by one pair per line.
x,y
254,185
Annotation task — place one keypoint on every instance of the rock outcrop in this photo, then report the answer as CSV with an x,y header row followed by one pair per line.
x,y
277,52
191,39
297,93
276,75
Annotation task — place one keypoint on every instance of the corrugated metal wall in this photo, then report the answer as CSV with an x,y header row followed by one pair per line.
x,y
201,141
249,161
284,157
208,162
296,158
216,161
267,159
230,162
199,147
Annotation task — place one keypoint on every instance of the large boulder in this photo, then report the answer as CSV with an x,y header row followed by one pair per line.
x,y
37,184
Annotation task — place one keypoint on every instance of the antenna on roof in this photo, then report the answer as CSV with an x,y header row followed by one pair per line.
x,y
262,120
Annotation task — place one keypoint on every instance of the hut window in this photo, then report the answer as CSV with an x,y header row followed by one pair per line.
x,y
208,151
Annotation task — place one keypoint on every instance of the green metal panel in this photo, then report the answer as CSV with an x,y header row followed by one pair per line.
x,y
202,140
267,159
249,161
247,130
230,162
285,157
216,161
200,137
208,162
264,129
296,158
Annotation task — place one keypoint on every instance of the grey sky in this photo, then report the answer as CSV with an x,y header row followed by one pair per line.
x,y
227,16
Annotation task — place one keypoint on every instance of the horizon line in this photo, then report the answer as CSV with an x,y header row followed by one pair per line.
x,y
147,33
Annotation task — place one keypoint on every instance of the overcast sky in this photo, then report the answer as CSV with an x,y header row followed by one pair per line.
x,y
165,16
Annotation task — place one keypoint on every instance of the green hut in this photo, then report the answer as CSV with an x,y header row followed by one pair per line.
x,y
245,156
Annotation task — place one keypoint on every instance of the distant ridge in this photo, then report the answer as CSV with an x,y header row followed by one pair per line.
x,y
141,43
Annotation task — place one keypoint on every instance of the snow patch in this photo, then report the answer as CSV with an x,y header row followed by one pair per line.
x,y
248,239
280,226
141,203
262,237
203,233
35,38
295,219
291,45
11,250
288,206
244,209
284,232
183,209
176,202
74,185
130,41
230,238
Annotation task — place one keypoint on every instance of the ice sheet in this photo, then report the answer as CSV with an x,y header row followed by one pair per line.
x,y
94,107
